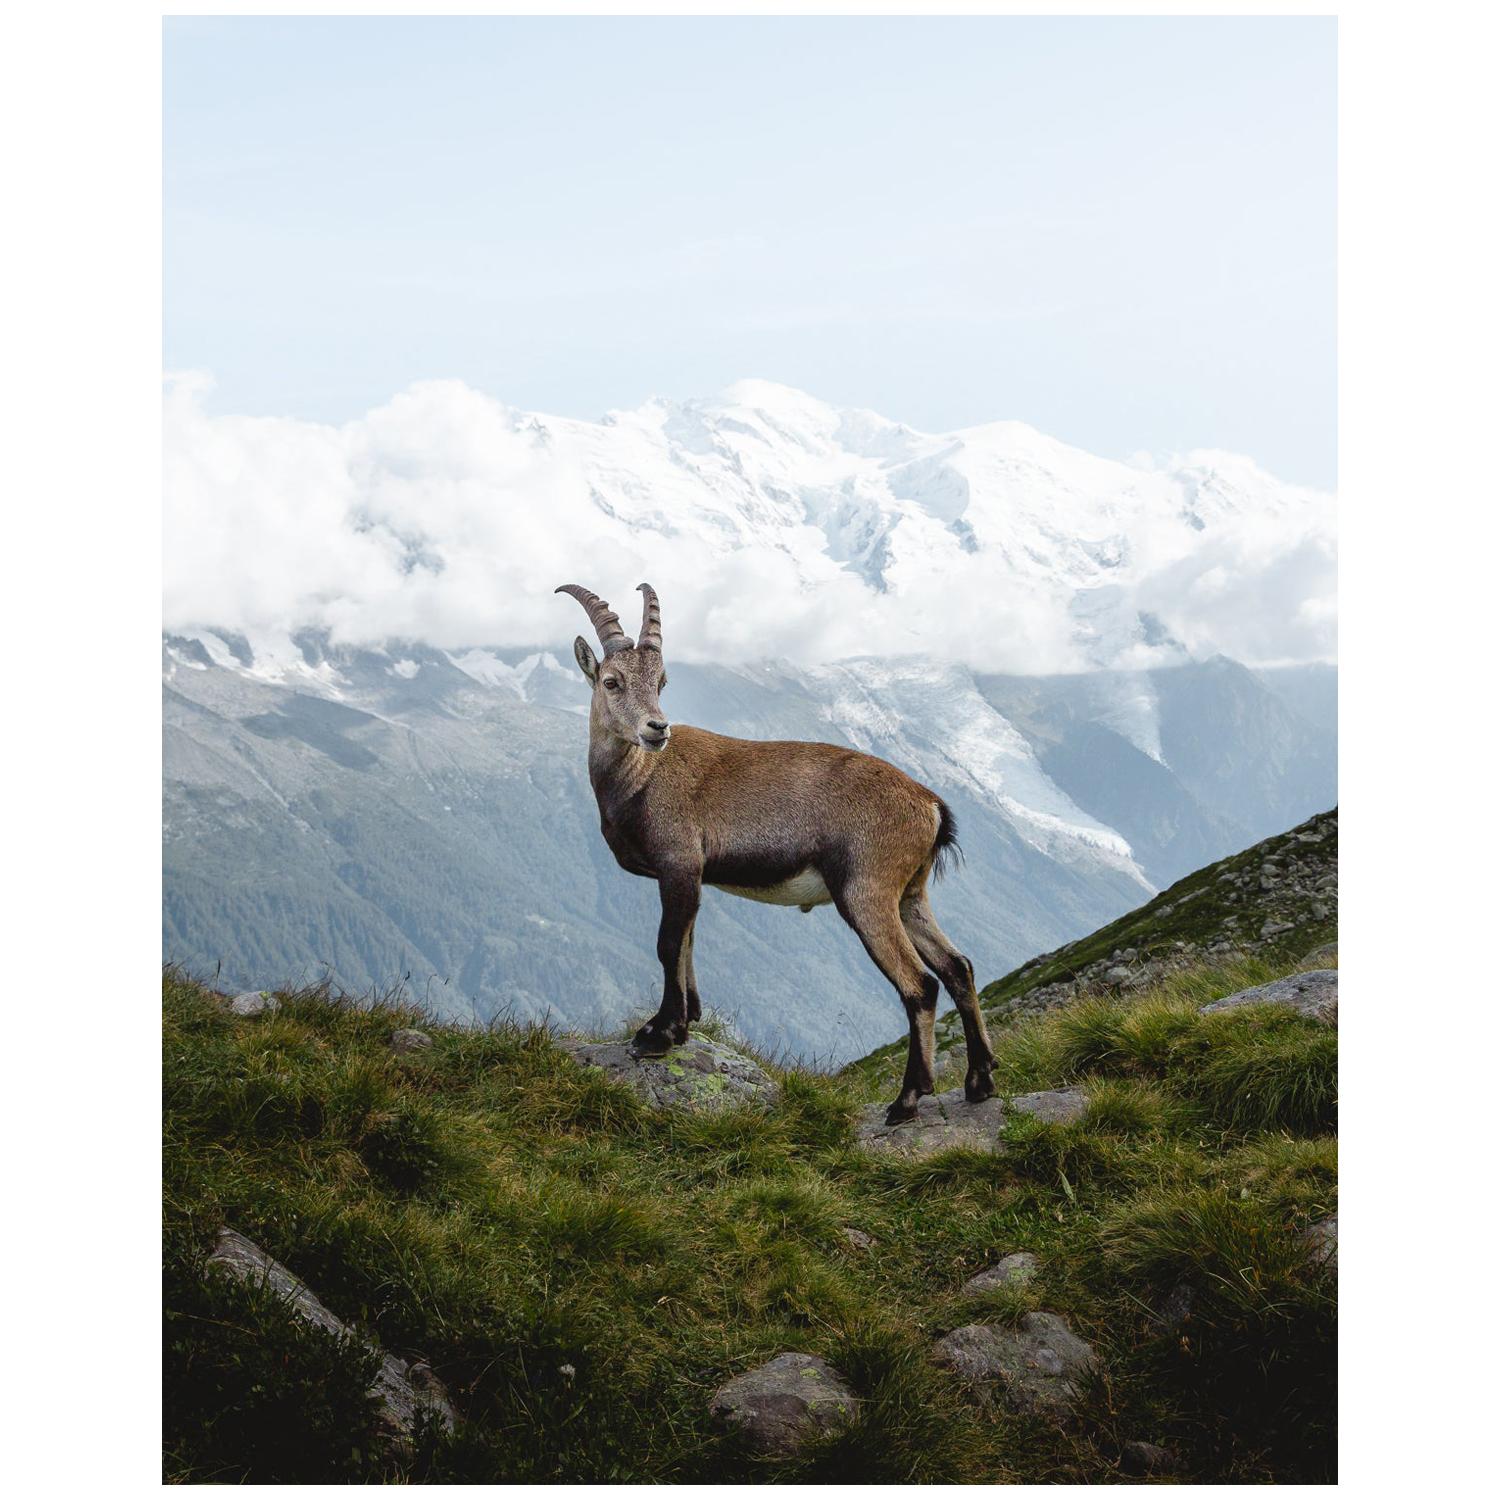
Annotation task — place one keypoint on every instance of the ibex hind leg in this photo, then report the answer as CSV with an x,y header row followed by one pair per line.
x,y
957,974
694,1004
877,921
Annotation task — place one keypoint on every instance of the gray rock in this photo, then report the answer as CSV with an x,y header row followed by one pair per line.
x,y
1320,956
946,1120
1322,1241
1170,1312
1036,1366
1314,994
1272,928
1014,1270
1147,1458
700,1075
858,1239
780,1407
254,1003
405,1392
1055,1106
943,1121
410,1041
1116,975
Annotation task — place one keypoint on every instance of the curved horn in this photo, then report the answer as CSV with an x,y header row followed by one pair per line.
x,y
606,622
650,619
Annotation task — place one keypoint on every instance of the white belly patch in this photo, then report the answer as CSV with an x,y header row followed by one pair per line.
x,y
804,889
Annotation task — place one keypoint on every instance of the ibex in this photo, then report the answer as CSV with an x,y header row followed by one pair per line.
x,y
783,821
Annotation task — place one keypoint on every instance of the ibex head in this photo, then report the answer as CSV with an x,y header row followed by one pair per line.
x,y
627,684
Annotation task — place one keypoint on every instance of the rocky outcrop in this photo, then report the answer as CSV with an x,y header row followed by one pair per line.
x,y
1322,1241
1148,1458
1036,1367
1052,1106
943,1121
1169,1313
700,1075
253,1003
408,1040
785,1404
1012,1270
946,1120
407,1393
1273,898
1314,994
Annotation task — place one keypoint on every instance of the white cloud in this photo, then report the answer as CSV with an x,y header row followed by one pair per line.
x,y
771,525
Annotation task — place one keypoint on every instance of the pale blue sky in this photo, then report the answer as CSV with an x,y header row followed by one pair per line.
x,y
1122,231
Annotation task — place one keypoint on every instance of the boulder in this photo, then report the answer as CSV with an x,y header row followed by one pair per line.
x,y
1322,1241
943,1121
700,1075
785,1404
946,1120
1148,1458
254,1003
1170,1312
1314,994
1013,1270
405,1392
1322,955
407,1040
1054,1106
1036,1366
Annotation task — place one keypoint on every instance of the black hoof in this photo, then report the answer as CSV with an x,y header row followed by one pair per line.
x,y
650,1043
899,1113
977,1090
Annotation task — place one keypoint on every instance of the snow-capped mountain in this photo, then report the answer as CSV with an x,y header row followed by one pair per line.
x,y
773,525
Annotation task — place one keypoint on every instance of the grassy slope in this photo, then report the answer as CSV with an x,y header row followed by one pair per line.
x,y
492,1208
1197,905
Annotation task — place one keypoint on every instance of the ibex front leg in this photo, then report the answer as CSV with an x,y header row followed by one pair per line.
x,y
680,890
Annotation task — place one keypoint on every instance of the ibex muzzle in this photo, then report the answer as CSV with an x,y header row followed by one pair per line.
x,y
783,821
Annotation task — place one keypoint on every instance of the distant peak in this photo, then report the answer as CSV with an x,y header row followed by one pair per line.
x,y
770,396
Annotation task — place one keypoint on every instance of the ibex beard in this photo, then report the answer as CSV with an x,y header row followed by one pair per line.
x,y
782,821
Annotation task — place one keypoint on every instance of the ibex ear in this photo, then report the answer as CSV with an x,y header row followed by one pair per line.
x,y
588,663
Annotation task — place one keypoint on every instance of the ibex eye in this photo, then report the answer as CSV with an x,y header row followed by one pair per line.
x,y
611,684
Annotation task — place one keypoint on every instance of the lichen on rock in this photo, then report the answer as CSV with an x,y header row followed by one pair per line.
x,y
699,1075
947,1120
1313,993
784,1404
